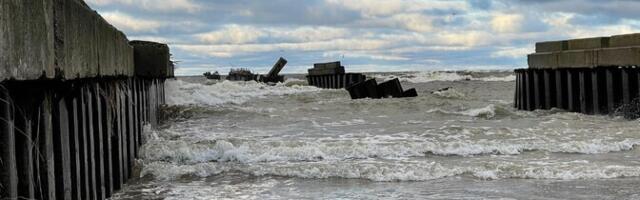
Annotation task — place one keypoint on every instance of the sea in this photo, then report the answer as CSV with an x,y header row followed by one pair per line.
x,y
247,140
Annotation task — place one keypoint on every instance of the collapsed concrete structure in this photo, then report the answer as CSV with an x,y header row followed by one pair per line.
x,y
273,76
74,97
371,89
590,75
332,75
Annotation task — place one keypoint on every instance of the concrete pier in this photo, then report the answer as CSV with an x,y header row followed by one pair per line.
x,y
74,97
591,75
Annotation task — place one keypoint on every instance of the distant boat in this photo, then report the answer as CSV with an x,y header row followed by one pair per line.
x,y
213,76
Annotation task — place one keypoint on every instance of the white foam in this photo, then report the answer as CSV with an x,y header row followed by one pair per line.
x,y
248,151
226,92
430,76
487,112
401,170
450,93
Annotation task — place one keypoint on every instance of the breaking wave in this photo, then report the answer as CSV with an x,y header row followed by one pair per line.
x,y
430,76
227,92
402,170
224,151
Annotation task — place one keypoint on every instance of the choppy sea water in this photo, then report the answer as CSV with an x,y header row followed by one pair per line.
x,y
237,140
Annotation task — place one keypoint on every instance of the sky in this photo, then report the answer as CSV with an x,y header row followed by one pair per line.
x,y
366,35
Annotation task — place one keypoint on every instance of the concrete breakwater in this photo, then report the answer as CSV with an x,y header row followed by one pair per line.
x,y
75,95
591,75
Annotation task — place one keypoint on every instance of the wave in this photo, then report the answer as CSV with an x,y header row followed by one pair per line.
x,y
487,112
449,93
185,152
227,92
430,76
401,170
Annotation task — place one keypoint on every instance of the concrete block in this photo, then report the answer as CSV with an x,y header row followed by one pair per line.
x,y
551,46
152,59
391,88
86,45
410,93
329,71
578,59
329,65
275,70
625,40
619,57
543,60
588,43
26,39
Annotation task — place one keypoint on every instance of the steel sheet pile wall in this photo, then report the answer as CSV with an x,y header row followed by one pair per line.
x,y
72,104
332,75
74,139
591,76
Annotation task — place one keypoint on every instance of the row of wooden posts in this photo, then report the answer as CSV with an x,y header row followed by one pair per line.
x,y
75,139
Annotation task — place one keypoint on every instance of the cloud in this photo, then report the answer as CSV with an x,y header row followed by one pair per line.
x,y
232,34
376,8
512,52
363,54
507,23
152,5
131,24
243,34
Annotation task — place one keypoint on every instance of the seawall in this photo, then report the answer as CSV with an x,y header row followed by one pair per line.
x,y
75,94
590,75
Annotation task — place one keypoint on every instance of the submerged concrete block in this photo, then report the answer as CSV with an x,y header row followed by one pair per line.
x,y
410,93
551,46
625,40
588,43
391,88
26,39
542,60
152,59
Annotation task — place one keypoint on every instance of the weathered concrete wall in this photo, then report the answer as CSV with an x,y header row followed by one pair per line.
x,y
71,107
26,39
614,51
152,59
59,39
551,46
86,45
588,43
543,60
625,40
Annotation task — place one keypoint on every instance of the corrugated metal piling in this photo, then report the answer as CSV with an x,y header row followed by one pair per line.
x,y
332,76
590,75
74,96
